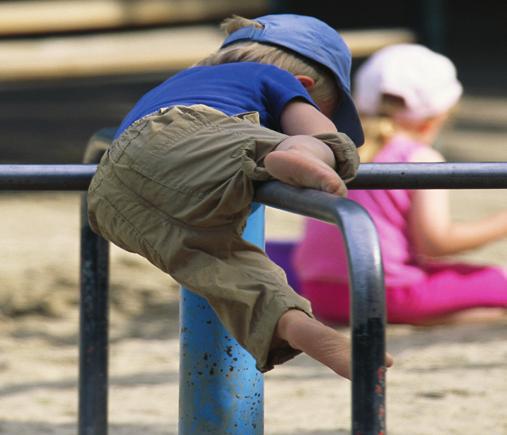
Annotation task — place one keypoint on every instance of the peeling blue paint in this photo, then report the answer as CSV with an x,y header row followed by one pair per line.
x,y
221,391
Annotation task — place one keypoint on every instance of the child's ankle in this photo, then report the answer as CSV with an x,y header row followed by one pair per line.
x,y
288,323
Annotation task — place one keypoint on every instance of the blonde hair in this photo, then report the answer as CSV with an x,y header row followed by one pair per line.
x,y
380,128
325,90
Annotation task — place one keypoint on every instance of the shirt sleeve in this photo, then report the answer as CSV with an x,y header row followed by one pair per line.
x,y
279,88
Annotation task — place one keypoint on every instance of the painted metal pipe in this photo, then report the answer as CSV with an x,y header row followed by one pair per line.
x,y
94,317
221,391
366,281
487,175
368,316
93,341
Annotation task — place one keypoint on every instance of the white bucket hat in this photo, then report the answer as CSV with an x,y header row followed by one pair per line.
x,y
425,80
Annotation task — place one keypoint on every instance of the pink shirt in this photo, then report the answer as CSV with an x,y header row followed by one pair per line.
x,y
321,256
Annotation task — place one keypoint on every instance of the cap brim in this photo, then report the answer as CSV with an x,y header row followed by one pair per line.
x,y
346,119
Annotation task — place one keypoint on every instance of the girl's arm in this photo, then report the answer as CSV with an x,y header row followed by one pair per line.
x,y
433,232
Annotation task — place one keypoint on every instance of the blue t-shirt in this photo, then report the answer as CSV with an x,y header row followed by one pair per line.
x,y
232,88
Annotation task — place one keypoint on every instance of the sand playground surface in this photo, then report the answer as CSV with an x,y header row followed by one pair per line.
x,y
446,380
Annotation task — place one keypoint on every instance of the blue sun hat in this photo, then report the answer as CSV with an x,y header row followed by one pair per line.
x,y
315,40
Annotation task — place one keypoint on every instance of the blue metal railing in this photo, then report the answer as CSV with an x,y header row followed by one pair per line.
x,y
484,175
365,274
367,305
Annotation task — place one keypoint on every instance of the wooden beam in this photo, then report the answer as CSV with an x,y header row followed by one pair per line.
x,y
146,51
362,43
50,16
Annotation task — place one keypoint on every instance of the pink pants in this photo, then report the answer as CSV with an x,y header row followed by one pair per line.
x,y
448,288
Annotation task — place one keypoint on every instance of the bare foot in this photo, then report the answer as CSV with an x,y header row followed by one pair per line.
x,y
319,341
304,170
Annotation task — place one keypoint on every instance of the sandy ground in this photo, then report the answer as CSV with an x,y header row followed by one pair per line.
x,y
447,380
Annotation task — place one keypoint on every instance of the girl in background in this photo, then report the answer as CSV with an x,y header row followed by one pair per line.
x,y
405,94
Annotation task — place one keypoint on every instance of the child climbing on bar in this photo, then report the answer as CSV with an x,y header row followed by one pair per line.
x,y
177,183
405,94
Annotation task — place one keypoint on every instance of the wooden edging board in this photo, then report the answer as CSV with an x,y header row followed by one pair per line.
x,y
136,52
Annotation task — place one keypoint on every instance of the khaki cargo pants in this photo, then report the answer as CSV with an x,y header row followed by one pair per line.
x,y
176,188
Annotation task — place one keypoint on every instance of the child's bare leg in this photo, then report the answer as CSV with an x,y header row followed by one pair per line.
x,y
319,341
305,161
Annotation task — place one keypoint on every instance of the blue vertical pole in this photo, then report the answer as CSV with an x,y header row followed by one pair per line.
x,y
221,391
